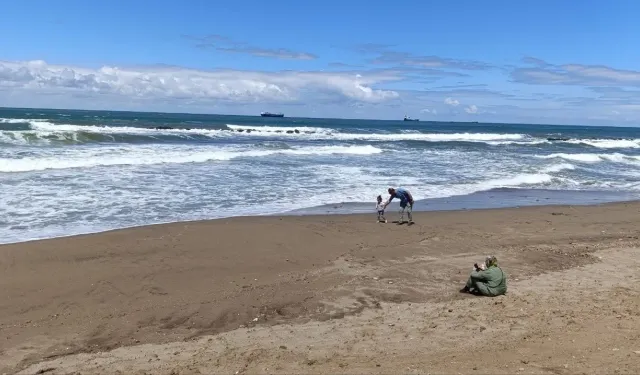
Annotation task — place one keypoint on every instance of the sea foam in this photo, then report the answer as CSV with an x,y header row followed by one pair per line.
x,y
150,155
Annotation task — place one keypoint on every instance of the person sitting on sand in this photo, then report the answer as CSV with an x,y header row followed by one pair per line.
x,y
406,202
487,279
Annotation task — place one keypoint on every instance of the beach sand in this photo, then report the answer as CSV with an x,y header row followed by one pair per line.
x,y
330,294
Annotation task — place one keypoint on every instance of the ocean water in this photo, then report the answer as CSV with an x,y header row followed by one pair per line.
x,y
67,172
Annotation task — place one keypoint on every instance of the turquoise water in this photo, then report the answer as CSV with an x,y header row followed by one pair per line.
x,y
66,172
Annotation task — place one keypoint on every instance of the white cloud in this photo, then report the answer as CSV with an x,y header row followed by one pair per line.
x,y
603,73
167,82
471,109
452,102
574,74
348,93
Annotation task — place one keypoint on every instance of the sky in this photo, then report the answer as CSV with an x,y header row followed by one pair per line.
x,y
544,61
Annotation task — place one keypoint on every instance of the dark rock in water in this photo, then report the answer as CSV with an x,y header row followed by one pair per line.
x,y
240,130
278,131
558,139
297,131
169,128
289,131
249,130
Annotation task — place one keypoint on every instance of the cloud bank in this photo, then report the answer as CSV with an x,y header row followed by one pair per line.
x,y
390,85
163,82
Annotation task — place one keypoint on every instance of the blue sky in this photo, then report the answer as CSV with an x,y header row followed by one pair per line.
x,y
508,61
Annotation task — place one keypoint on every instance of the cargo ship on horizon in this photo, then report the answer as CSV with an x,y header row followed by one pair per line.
x,y
269,114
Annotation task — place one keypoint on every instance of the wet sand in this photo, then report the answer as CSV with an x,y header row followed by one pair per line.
x,y
318,294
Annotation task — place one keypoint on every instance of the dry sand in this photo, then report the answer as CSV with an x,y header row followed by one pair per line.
x,y
329,294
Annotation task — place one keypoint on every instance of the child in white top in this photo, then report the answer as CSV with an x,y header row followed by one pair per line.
x,y
380,209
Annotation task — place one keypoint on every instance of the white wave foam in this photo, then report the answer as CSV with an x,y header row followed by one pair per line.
x,y
558,168
607,143
70,201
525,143
532,180
404,135
598,143
331,134
15,121
141,155
44,131
273,129
362,185
10,137
586,158
515,181
430,137
47,128
593,158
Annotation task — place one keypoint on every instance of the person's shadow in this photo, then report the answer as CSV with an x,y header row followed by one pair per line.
x,y
403,223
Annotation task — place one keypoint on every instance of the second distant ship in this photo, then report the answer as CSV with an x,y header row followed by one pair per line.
x,y
269,114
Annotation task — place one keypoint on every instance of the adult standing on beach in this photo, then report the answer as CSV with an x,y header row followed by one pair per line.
x,y
406,202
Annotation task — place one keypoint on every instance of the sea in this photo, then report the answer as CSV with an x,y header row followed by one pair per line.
x,y
66,172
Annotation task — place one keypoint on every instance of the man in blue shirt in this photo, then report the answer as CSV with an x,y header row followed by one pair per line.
x,y
406,202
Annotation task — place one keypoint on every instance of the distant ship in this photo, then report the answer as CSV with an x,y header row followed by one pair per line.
x,y
406,118
269,114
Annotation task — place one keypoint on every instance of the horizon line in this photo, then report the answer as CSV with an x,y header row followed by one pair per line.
x,y
320,118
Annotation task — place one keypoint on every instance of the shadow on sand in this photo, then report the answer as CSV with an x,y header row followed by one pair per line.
x,y
403,222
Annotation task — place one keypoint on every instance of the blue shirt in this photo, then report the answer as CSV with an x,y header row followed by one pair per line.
x,y
401,194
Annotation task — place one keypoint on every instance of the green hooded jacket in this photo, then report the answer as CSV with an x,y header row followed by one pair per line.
x,y
493,278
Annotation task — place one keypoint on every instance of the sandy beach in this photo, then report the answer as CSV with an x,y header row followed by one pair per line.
x,y
330,294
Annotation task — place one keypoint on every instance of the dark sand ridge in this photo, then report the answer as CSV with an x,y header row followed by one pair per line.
x,y
166,283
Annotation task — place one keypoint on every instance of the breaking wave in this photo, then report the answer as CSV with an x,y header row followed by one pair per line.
x,y
607,143
38,131
47,132
593,158
83,158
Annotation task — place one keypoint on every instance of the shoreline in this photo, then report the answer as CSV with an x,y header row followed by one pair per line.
x,y
500,198
329,289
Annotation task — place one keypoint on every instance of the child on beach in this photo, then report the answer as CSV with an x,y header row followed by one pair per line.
x,y
380,208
